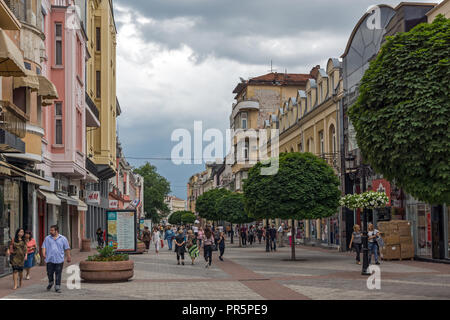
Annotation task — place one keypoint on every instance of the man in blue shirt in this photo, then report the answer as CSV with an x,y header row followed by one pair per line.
x,y
53,249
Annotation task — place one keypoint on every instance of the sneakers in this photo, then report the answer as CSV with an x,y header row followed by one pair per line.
x,y
57,289
50,285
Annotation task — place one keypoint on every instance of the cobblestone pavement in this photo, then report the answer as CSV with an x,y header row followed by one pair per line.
x,y
251,273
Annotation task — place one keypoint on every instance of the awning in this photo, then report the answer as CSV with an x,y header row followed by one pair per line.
x,y
46,102
47,89
81,205
50,198
29,176
11,59
70,201
4,168
30,81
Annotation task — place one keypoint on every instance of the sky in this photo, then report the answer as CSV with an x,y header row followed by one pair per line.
x,y
178,61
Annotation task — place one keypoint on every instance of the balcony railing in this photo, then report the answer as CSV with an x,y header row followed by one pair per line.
x,y
13,119
92,106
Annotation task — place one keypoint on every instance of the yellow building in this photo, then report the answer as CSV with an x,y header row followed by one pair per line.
x,y
441,8
257,99
101,85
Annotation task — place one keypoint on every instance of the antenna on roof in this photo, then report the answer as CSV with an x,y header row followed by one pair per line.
x,y
271,67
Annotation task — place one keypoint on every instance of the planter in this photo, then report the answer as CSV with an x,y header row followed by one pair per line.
x,y
85,245
140,247
111,271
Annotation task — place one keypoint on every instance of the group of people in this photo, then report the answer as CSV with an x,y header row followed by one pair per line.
x,y
373,240
253,233
24,254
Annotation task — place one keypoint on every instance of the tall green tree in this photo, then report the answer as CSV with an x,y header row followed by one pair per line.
x,y
156,187
206,204
187,217
232,209
175,218
402,114
305,187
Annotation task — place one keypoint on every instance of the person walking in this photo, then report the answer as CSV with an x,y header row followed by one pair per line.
x,y
168,236
216,237
251,235
156,237
18,256
221,244
31,250
99,234
259,233
244,235
373,246
53,249
356,242
192,246
147,237
273,238
180,246
201,233
208,243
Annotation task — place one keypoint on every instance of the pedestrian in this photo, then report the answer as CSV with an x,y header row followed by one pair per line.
x,y
201,233
273,238
373,246
251,235
259,233
146,237
208,243
216,238
156,237
192,246
195,230
18,256
180,246
168,236
231,234
356,242
280,234
244,235
31,251
53,249
99,234
221,244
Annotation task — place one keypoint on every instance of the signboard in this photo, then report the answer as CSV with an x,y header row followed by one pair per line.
x,y
113,204
121,230
93,197
382,185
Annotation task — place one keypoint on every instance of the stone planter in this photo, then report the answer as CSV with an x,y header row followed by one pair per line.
x,y
112,271
140,247
85,245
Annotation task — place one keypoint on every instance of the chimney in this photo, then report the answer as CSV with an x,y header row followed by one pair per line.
x,y
314,71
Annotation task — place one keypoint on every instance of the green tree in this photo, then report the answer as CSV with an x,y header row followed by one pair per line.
x,y
305,187
156,187
402,114
175,218
232,209
187,217
206,204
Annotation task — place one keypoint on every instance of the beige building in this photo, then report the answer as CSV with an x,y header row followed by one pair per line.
x,y
442,8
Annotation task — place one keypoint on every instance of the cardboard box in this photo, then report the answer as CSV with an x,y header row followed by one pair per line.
x,y
391,252
406,240
392,239
404,230
407,251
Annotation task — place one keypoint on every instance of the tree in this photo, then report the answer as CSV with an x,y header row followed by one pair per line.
x,y
175,218
305,187
402,114
232,209
206,204
156,188
187,217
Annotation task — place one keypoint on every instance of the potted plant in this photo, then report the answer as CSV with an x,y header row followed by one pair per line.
x,y
107,266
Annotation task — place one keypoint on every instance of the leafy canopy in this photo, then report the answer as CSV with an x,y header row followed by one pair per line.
x,y
187,217
156,187
402,114
206,204
232,208
305,187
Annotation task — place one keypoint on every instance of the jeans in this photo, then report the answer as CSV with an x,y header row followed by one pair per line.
x,y
221,250
273,244
373,249
208,253
199,242
357,247
169,242
244,239
54,269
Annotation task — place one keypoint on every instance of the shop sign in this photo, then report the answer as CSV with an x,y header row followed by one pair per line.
x,y
382,185
93,197
113,204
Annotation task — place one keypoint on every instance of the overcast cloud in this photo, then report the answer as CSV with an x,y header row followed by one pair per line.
x,y
179,60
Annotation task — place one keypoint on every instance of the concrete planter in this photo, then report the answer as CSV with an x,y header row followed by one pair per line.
x,y
140,247
111,271
85,245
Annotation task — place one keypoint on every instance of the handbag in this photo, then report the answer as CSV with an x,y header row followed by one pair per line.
x,y
162,243
37,258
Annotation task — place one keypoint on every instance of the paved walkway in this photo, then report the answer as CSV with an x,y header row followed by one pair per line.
x,y
251,273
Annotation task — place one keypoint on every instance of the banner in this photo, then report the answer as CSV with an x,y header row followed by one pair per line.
x,y
93,197
121,230
382,185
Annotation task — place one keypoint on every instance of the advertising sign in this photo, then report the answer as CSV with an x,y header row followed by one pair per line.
x,y
121,230
382,185
113,204
93,197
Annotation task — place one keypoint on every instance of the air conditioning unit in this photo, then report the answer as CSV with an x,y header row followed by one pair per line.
x,y
73,190
58,185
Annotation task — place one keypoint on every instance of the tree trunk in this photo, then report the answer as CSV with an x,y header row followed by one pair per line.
x,y
293,236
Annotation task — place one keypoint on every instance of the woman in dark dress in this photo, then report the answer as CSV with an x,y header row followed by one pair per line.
x,y
100,237
18,256
180,246
221,244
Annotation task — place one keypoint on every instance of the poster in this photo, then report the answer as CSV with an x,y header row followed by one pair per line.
x,y
121,226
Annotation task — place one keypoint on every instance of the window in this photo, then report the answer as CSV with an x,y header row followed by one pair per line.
x,y
244,120
300,147
321,92
58,123
20,98
79,131
333,139
97,39
58,44
98,83
309,102
322,146
246,147
332,83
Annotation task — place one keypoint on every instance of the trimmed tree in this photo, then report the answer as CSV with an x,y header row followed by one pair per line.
x,y
232,209
175,218
206,204
187,217
402,114
305,187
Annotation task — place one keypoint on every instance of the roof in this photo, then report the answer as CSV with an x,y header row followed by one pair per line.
x,y
274,78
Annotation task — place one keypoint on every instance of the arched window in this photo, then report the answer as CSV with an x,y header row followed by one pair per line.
x,y
332,137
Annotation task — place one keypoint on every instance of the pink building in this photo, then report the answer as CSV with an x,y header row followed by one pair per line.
x,y
65,121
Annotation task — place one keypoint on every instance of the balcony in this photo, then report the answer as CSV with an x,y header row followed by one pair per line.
x,y
12,128
92,113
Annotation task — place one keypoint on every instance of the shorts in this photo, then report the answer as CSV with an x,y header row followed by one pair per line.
x,y
17,268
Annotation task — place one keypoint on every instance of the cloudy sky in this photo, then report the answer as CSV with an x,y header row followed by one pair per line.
x,y
179,60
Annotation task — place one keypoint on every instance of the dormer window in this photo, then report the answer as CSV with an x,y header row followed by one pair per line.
x,y
321,91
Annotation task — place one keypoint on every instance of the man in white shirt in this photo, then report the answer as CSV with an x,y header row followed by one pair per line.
x,y
280,233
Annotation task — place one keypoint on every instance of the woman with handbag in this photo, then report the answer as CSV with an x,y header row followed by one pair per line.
x,y
373,245
18,256
356,242
156,239
31,250
208,246
192,246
